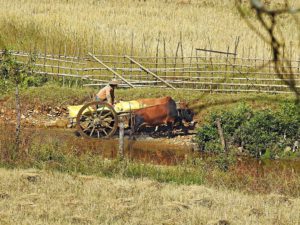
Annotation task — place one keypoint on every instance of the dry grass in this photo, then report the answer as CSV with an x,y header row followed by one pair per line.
x,y
39,197
114,26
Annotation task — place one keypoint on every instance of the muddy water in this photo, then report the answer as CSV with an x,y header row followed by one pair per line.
x,y
145,149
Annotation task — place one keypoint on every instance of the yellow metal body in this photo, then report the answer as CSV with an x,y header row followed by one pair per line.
x,y
123,106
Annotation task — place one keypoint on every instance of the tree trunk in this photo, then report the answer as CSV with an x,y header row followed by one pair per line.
x,y
18,118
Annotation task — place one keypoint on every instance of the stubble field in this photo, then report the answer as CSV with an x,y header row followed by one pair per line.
x,y
137,27
39,197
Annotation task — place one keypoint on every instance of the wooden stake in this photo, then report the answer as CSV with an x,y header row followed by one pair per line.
x,y
221,135
157,48
191,62
121,138
58,61
131,54
198,68
165,57
53,43
45,52
175,60
182,54
226,66
65,55
78,53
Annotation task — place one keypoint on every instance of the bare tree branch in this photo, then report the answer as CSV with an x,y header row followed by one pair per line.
x,y
268,21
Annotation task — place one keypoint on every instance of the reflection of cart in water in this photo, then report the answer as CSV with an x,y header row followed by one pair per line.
x,y
98,119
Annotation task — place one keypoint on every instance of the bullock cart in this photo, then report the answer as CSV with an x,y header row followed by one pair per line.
x,y
98,119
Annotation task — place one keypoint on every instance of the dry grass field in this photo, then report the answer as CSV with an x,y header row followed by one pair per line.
x,y
40,197
115,26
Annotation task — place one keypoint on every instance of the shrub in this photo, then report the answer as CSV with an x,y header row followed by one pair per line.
x,y
34,81
257,132
207,135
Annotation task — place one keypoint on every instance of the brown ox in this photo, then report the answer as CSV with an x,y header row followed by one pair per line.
x,y
154,101
164,113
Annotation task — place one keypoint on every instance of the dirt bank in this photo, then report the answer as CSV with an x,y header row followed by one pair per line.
x,y
45,116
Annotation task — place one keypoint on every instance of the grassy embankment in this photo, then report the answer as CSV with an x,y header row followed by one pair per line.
x,y
114,26
201,103
68,153
41,197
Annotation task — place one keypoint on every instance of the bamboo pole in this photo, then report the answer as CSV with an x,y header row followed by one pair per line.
x,y
226,66
58,62
191,62
111,70
198,67
157,49
165,56
236,44
65,54
148,71
181,49
205,90
176,55
45,51
48,56
131,54
52,53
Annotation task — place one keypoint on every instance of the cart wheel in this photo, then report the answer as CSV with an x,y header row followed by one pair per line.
x,y
97,120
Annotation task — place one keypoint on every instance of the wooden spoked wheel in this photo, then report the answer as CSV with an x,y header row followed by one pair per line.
x,y
97,120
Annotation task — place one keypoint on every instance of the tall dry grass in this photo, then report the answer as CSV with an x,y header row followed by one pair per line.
x,y
115,26
40,197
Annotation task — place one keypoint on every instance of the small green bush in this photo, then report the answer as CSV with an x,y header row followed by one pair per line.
x,y
257,132
207,135
34,81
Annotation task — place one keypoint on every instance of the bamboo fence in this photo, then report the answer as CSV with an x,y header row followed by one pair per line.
x,y
204,70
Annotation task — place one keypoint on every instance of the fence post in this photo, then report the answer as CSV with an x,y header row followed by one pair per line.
x,y
65,58
157,53
77,72
236,44
182,54
131,55
190,75
175,60
121,138
198,67
58,61
165,58
220,131
45,53
52,69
